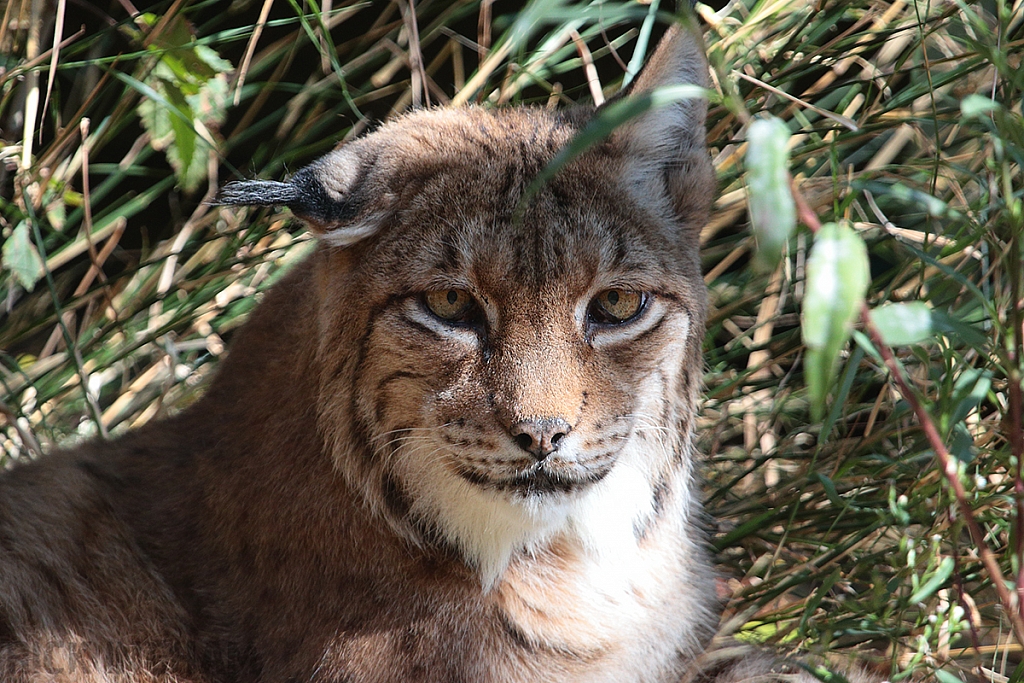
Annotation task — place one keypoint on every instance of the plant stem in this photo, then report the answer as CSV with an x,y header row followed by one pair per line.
x,y
950,467
951,470
31,110
1015,406
803,210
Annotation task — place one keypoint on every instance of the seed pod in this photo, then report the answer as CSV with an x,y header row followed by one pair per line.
x,y
769,198
837,280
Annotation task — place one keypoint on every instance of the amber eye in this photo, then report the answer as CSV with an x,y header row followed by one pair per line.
x,y
614,306
453,305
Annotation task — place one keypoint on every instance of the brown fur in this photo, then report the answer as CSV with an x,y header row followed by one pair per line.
x,y
317,515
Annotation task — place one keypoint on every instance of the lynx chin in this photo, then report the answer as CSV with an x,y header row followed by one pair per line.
x,y
453,445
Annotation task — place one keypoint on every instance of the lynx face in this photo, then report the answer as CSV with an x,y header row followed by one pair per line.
x,y
522,368
520,375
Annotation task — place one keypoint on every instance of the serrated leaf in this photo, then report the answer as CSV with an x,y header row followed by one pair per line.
x,y
186,95
769,198
21,258
178,41
209,56
837,280
904,323
183,144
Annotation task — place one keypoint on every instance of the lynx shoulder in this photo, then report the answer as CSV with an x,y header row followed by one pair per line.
x,y
454,445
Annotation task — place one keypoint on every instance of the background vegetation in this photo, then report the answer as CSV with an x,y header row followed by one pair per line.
x,y
835,523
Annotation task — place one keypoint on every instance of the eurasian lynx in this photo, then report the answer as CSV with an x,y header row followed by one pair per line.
x,y
454,445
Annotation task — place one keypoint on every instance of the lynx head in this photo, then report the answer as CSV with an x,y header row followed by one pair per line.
x,y
498,370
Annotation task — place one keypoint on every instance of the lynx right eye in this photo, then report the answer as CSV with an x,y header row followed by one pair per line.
x,y
451,305
614,306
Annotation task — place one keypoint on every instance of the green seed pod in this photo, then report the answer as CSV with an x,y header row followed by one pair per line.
x,y
769,198
837,280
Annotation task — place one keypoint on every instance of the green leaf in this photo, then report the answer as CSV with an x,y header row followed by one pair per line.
x,y
213,60
831,491
973,106
769,198
761,632
1018,674
933,205
178,44
824,674
837,280
21,257
642,40
750,526
934,583
969,390
817,597
962,444
946,677
186,95
183,143
903,324
844,391
960,329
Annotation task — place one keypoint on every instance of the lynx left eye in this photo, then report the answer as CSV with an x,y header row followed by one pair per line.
x,y
451,305
614,306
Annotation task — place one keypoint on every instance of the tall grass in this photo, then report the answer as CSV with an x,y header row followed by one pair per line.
x,y
121,284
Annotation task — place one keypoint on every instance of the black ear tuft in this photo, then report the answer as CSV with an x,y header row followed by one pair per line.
x,y
327,195
258,193
304,194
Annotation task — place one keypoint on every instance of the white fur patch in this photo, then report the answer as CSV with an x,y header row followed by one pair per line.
x,y
490,527
487,526
603,519
352,233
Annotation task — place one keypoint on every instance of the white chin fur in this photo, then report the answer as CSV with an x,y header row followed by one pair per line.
x,y
491,527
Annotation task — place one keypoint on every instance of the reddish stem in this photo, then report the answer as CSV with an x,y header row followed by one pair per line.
x,y
948,463
804,211
952,472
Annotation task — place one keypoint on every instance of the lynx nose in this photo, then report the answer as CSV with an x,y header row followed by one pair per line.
x,y
540,437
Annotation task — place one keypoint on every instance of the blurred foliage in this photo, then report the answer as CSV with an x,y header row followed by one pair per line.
x,y
121,284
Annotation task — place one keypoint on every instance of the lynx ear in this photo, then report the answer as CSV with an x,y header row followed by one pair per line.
x,y
667,144
327,194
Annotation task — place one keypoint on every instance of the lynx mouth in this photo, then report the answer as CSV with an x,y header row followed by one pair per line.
x,y
539,480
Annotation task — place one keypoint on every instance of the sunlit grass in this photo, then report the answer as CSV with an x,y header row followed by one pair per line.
x,y
826,529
